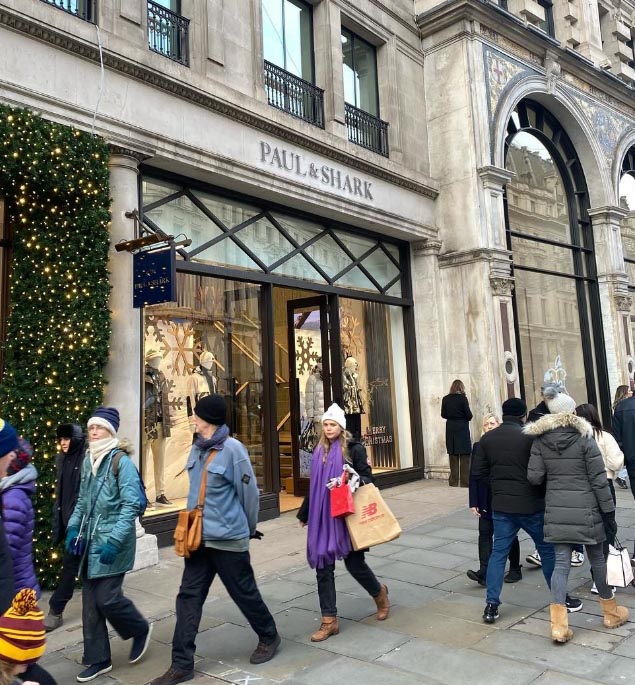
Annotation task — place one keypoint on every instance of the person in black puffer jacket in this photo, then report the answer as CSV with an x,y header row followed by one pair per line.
x,y
68,464
579,505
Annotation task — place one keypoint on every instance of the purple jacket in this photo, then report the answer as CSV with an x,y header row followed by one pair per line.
x,y
18,518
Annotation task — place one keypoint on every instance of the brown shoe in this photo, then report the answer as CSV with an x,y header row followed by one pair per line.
x,y
383,605
173,676
329,627
560,631
614,616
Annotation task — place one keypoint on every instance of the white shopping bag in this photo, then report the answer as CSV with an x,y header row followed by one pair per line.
x,y
619,571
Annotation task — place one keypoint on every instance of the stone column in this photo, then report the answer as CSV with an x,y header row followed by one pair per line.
x,y
123,371
614,295
428,299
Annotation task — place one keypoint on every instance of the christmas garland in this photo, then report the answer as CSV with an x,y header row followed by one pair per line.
x,y
55,184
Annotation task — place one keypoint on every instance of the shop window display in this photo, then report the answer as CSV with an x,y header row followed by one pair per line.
x,y
374,396
208,341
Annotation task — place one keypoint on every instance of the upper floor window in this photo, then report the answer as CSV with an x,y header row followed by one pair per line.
x,y
168,30
84,9
361,94
287,36
547,25
360,73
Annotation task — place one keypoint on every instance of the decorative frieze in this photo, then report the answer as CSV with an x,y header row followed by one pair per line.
x,y
426,248
623,303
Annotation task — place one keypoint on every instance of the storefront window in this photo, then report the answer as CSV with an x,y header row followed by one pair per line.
x,y
553,267
374,388
627,201
209,341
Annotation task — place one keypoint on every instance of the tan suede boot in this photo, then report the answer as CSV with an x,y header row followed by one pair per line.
x,y
560,631
614,616
329,627
383,605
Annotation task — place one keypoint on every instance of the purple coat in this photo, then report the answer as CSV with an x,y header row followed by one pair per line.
x,y
18,518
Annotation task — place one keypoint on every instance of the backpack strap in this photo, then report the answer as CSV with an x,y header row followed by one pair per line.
x,y
115,462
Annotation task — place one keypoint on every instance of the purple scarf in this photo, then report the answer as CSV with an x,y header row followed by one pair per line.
x,y
327,538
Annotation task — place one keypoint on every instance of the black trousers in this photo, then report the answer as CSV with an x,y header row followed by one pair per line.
x,y
64,590
38,675
485,542
237,575
103,599
356,565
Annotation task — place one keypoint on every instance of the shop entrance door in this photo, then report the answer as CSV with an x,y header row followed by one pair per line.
x,y
309,380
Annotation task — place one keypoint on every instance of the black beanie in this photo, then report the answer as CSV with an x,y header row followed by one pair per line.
x,y
212,409
514,407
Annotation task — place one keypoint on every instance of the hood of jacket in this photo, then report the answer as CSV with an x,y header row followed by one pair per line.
x,y
24,476
559,431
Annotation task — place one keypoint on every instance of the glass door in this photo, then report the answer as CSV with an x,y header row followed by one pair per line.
x,y
310,380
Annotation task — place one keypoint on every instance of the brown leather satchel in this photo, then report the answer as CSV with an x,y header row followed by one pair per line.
x,y
188,533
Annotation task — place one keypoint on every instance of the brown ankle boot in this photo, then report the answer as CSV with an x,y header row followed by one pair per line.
x,y
329,627
383,605
614,616
560,631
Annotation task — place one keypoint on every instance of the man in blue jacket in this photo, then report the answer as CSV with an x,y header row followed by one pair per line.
x,y
230,515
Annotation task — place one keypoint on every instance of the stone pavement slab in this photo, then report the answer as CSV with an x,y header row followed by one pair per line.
x,y
585,637
451,666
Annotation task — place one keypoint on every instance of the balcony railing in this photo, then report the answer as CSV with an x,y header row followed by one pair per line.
x,y
366,130
168,33
84,9
294,95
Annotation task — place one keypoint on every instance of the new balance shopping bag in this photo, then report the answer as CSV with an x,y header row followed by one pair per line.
x,y
373,522
618,566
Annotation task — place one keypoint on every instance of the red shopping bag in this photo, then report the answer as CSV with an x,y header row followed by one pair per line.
x,y
342,499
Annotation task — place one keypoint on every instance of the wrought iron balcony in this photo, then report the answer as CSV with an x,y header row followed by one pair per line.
x,y
168,33
294,95
84,9
366,130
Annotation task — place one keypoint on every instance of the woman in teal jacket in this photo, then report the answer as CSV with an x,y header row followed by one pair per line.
x,y
102,530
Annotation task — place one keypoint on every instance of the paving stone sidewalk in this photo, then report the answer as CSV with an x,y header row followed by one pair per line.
x,y
434,633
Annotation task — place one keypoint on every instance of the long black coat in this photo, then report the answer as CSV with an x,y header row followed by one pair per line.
x,y
624,427
456,410
502,460
565,454
69,470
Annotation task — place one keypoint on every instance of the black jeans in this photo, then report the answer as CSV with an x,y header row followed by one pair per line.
x,y
485,542
38,675
102,598
234,570
356,565
64,590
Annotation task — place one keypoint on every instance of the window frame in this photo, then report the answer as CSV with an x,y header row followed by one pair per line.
x,y
353,37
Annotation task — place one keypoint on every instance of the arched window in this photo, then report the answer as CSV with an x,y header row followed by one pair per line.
x,y
556,300
627,230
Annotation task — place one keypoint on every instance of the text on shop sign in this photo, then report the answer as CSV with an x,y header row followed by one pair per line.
x,y
153,277
376,435
327,175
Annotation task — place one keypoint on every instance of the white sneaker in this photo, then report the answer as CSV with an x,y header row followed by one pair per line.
x,y
534,559
577,558
594,589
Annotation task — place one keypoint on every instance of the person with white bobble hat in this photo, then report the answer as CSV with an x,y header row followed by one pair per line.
x,y
328,539
579,506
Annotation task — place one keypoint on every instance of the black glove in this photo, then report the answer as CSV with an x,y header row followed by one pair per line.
x,y
256,535
610,525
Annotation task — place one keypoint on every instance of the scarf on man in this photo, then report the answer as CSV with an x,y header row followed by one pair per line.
x,y
220,435
98,449
327,538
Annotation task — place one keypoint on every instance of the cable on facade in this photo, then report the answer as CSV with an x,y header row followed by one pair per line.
x,y
101,80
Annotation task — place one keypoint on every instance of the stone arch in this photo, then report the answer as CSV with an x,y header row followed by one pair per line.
x,y
565,109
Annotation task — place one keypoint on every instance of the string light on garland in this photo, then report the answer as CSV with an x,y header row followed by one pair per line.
x,y
55,184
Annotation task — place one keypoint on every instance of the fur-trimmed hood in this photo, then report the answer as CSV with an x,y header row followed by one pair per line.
x,y
551,422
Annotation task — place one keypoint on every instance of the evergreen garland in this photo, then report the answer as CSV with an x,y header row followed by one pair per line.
x,y
55,184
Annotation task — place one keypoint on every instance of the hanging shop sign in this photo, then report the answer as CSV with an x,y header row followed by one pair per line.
x,y
326,175
154,277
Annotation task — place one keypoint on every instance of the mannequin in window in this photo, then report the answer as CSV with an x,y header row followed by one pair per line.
x,y
353,401
314,394
201,383
156,421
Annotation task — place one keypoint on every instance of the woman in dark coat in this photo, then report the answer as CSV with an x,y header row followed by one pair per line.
x,y
456,410
68,464
578,504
